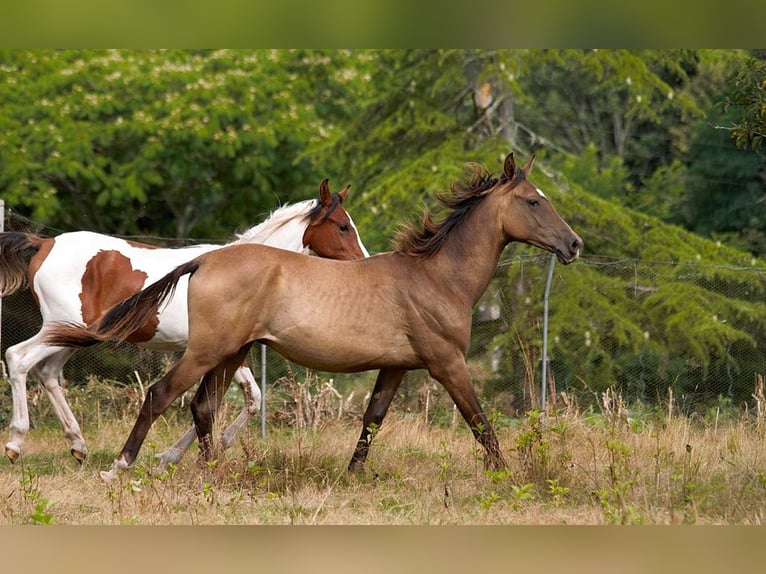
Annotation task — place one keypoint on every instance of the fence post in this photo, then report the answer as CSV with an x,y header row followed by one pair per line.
x,y
2,228
263,390
544,359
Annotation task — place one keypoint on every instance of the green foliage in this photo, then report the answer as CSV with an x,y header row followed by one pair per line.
x,y
200,142
725,187
748,97
678,312
40,512
165,142
610,98
608,182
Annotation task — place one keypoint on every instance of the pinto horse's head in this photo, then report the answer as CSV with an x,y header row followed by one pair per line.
x,y
331,233
531,218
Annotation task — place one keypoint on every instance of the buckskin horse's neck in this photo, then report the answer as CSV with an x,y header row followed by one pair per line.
x,y
469,257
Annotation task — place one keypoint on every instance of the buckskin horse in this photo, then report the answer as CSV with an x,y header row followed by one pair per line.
x,y
406,309
77,276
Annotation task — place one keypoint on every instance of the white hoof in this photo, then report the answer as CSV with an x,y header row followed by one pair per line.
x,y
107,477
118,466
165,459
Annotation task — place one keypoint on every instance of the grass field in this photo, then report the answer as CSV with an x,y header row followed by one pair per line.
x,y
608,466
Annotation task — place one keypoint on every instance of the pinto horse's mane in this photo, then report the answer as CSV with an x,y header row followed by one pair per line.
x,y
464,195
303,211
279,217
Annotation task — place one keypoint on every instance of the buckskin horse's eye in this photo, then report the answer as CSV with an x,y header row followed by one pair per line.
x,y
533,202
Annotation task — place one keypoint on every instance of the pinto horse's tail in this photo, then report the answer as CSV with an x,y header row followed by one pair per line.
x,y
120,321
16,250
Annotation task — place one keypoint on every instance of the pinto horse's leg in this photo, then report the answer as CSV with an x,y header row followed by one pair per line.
x,y
176,451
49,372
455,377
244,377
159,397
208,398
22,359
386,385
246,381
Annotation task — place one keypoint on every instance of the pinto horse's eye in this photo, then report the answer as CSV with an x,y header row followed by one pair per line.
x,y
343,228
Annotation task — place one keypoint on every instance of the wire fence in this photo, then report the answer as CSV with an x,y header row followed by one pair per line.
x,y
681,335
653,353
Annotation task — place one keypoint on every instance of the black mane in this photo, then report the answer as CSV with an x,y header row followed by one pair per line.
x,y
462,198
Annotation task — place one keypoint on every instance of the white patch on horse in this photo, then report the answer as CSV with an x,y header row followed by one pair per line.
x,y
540,191
57,285
284,228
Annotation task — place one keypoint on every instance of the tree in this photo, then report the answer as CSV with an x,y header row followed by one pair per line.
x,y
175,143
748,97
725,187
697,316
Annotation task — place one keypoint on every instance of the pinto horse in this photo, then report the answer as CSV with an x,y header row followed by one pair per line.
x,y
397,311
77,276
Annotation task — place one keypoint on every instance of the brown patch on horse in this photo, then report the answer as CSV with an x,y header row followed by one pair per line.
x,y
108,279
44,248
329,226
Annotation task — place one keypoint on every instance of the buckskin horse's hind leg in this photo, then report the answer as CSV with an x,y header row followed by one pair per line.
x,y
209,397
386,385
159,397
252,394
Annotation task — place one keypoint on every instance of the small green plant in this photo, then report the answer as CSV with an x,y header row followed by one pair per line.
x,y
521,493
616,511
41,506
498,476
488,500
534,449
614,498
208,492
558,493
685,475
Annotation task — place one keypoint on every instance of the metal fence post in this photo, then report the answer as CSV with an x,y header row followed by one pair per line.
x,y
544,360
263,391
2,228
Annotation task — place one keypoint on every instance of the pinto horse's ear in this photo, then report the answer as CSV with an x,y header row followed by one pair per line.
x,y
509,167
527,168
344,192
325,197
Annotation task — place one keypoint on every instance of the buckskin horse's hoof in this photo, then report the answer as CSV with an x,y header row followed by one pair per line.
x,y
79,455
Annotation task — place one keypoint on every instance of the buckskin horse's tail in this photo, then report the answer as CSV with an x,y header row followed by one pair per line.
x,y
16,250
124,318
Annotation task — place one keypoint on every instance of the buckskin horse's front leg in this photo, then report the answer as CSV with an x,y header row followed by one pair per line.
x,y
456,378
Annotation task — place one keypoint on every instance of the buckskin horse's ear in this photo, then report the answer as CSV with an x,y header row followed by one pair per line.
x,y
343,192
509,167
527,168
325,197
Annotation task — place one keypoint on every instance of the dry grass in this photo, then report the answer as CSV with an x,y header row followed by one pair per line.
x,y
604,467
